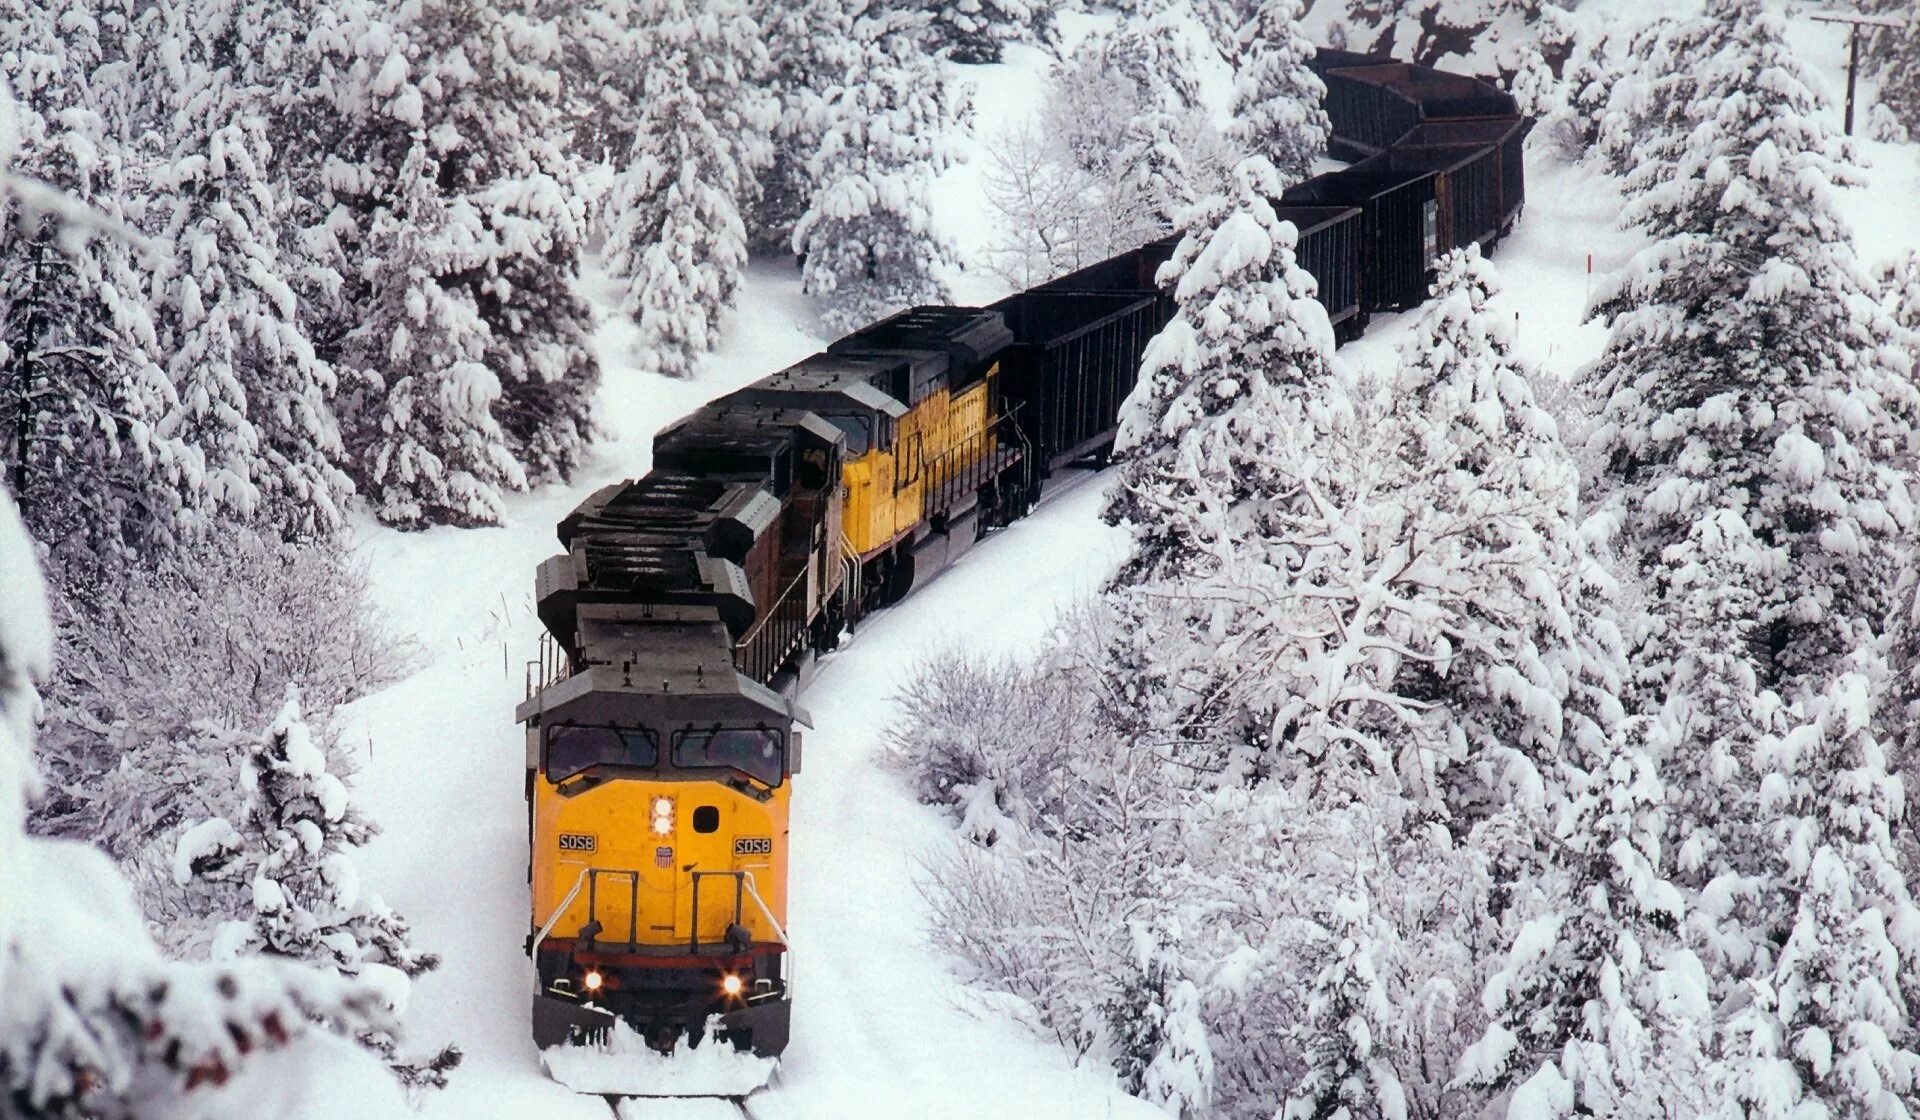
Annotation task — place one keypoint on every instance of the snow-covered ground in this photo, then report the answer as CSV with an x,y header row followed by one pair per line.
x,y
882,1027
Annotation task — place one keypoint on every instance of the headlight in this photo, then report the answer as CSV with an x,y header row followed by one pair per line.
x,y
592,980
662,815
730,984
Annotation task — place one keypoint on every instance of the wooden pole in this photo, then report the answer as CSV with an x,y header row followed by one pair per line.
x,y
1853,71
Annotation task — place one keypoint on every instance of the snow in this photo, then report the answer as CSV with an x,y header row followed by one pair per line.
x,y
882,1026
626,1065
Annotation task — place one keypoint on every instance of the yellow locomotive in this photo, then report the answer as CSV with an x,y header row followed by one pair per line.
x,y
662,737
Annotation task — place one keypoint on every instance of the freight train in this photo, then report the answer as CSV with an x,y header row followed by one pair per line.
x,y
663,736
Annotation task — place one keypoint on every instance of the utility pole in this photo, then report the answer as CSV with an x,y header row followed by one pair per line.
x,y
1857,21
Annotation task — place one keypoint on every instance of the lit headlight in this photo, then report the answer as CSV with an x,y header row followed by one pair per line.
x,y
592,980
663,815
730,984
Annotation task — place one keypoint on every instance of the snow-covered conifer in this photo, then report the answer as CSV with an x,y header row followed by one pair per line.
x,y
1346,1079
1741,334
497,137
1162,1051
1900,281
287,862
976,30
867,236
1755,413
92,1020
1276,97
254,397
453,203
674,214
82,394
430,449
1597,994
1894,58
808,45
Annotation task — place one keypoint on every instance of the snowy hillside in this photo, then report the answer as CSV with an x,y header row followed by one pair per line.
x,y
881,1027
1506,715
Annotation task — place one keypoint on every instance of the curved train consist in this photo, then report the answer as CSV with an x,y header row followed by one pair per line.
x,y
662,733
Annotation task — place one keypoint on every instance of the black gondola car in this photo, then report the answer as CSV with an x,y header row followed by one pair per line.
x,y
1075,357
1508,135
1332,250
1329,248
1368,116
1131,271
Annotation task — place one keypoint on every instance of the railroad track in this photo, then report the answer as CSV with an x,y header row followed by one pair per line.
x,y
688,1108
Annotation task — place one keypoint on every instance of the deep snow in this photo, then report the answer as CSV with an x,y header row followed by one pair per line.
x,y
882,1027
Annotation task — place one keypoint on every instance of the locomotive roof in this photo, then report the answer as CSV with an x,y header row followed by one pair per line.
x,y
825,382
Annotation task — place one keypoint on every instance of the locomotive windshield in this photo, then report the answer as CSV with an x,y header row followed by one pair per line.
x,y
754,751
572,747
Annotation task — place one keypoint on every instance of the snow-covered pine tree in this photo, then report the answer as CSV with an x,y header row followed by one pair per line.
x,y
1276,97
497,134
431,450
1755,419
867,240
1900,281
1347,1015
976,31
82,395
808,44
254,397
1150,157
390,257
1893,57
1598,1008
288,862
1523,656
1652,108
450,210
675,228
1240,447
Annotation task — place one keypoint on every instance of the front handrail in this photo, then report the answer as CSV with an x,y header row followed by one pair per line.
x,y
533,950
765,910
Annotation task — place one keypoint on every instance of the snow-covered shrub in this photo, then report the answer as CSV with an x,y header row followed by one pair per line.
x,y
164,674
285,862
93,1022
994,741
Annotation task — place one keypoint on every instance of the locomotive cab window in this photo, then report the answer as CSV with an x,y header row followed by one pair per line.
x,y
573,748
859,430
754,751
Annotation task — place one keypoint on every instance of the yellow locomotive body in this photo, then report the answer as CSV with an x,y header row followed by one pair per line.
x,y
661,737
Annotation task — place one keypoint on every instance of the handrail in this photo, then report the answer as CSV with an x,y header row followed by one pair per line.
x,y
852,559
533,950
765,910
777,601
